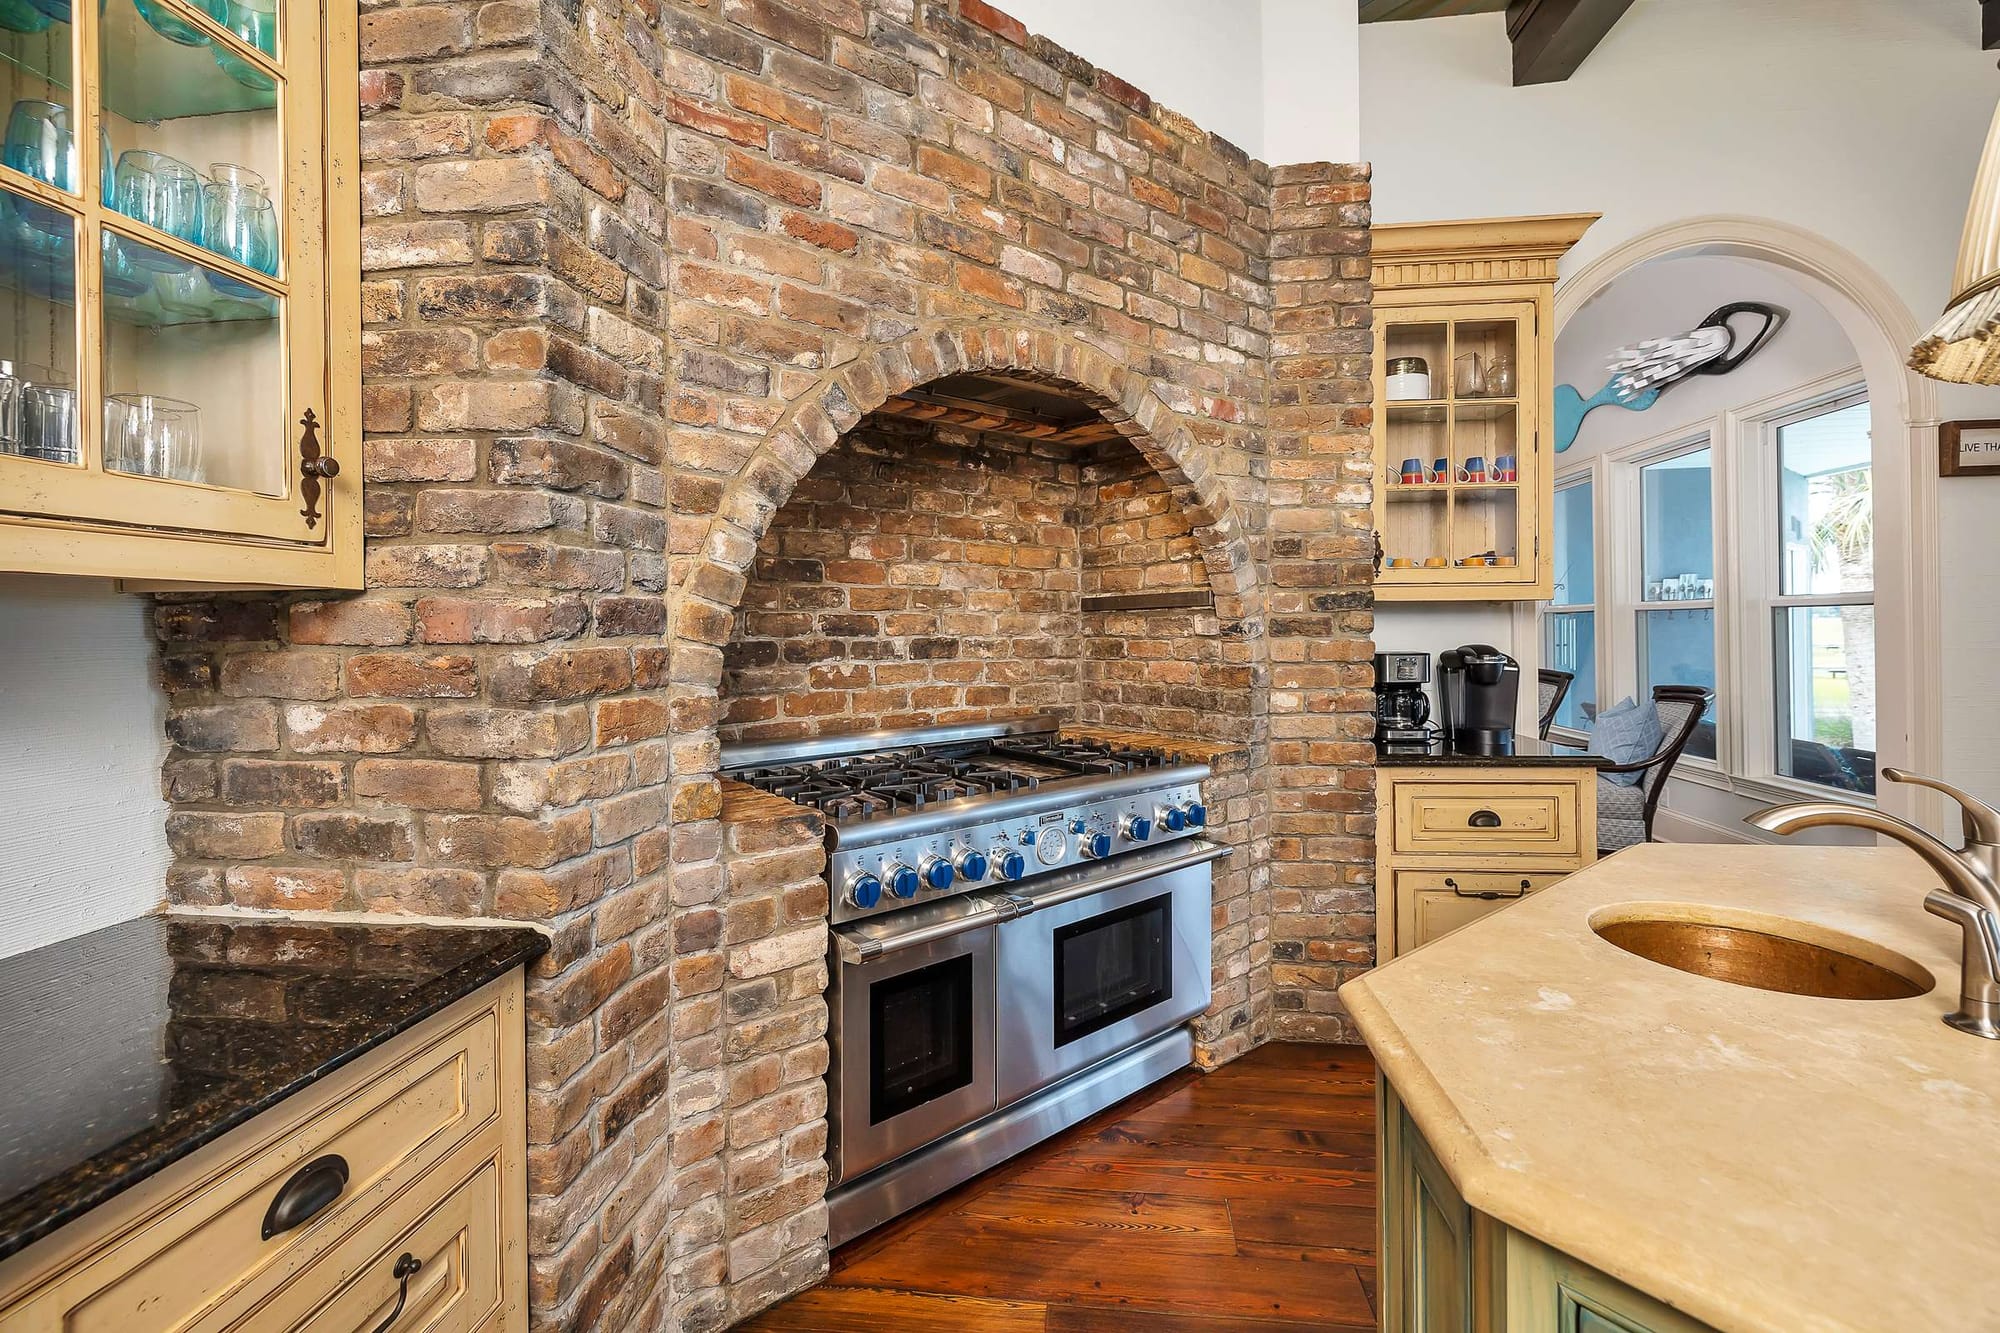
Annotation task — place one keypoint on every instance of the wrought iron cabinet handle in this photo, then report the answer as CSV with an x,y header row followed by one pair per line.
x,y
406,1268
314,467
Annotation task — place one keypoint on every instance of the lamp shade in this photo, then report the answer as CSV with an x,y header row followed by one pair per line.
x,y
1964,345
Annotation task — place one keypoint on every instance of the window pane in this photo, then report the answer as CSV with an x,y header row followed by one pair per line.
x,y
1576,574
1678,648
1570,644
1826,695
1826,504
1678,539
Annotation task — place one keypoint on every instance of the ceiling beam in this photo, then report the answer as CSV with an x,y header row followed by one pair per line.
x,y
1551,38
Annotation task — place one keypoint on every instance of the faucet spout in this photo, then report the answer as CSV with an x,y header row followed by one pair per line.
x,y
1962,872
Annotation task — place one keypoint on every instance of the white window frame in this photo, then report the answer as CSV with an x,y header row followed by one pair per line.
x,y
1583,477
1744,462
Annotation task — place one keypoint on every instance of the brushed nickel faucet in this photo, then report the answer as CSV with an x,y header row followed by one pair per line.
x,y
1971,872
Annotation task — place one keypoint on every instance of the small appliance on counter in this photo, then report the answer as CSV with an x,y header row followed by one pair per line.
x,y
1402,711
1479,689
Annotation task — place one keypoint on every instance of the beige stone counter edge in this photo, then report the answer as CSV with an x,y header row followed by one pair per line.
x,y
1598,1237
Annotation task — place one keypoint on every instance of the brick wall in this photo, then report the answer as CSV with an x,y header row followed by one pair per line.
x,y
632,267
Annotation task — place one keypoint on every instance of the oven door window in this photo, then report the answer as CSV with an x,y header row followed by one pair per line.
x,y
919,1037
1113,966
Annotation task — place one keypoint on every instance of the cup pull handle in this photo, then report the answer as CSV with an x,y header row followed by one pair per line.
x,y
1483,819
306,1195
314,467
405,1269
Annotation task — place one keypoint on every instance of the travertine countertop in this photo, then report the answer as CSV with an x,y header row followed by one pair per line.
x,y
1759,1161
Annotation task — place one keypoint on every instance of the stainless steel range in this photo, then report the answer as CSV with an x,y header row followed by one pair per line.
x,y
1021,933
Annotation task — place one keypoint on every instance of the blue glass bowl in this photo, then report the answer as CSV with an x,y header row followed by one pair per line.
x,y
21,16
245,73
163,21
55,9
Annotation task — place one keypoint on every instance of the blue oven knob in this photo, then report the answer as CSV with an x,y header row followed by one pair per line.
x,y
972,865
1138,828
1097,845
938,872
1078,826
1027,837
1010,863
1197,814
864,890
903,881
1172,818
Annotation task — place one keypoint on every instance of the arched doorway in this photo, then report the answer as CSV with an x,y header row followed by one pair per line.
x,y
1881,329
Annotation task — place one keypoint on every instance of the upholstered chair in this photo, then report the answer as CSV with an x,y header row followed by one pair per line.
x,y
1625,813
1550,688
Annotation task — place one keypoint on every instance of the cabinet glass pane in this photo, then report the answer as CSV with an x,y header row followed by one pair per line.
x,y
1826,695
1483,364
194,368
38,413
35,78
194,133
1414,363
1486,526
1570,644
1678,648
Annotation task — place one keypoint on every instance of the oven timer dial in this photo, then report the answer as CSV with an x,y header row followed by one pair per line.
x,y
1051,846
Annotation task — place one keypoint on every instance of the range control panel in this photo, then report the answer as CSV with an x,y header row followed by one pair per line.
x,y
884,877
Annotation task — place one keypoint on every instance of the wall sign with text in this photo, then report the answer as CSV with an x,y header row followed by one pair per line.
x,y
1969,449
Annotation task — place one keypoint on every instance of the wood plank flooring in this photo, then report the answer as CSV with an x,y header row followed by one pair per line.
x,y
1241,1201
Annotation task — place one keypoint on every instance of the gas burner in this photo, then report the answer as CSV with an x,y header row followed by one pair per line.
x,y
1080,756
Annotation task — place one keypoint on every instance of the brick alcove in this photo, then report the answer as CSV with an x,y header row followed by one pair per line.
x,y
631,268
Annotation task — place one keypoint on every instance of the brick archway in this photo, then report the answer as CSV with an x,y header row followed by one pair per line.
x,y
711,590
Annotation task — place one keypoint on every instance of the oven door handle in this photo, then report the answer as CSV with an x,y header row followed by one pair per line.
x,y
1117,874
855,950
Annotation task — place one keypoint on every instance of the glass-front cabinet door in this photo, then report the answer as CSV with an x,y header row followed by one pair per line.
x,y
1457,468
170,266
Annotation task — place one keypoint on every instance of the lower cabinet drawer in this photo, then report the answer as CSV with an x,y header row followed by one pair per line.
x,y
422,1263
1432,903
1538,819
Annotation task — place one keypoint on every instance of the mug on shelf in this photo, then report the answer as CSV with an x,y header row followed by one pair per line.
x,y
1504,468
1401,562
1473,470
1413,472
1440,472
1502,561
1434,562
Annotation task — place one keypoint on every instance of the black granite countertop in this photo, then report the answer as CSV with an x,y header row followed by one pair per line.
x,y
1529,752
124,1050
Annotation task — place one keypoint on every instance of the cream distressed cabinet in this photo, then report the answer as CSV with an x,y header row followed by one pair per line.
x,y
1464,362
179,291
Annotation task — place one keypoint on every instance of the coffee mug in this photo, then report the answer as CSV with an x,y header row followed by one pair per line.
x,y
1401,562
1474,470
1413,471
1434,562
1440,471
1502,561
1504,468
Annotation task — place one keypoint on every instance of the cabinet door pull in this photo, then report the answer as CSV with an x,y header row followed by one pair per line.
x,y
314,467
1483,819
312,1187
405,1269
1451,884
1526,885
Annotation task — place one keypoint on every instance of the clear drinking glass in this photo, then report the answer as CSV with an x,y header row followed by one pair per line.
x,y
185,293
152,436
239,221
48,422
164,193
39,143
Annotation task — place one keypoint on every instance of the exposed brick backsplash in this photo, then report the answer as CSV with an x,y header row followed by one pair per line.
x,y
632,270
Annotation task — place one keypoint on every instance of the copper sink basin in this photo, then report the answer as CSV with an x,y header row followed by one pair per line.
x,y
1766,952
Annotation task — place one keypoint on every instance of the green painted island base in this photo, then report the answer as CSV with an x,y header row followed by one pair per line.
x,y
1445,1268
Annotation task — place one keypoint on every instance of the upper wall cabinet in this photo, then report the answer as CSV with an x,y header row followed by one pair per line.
x,y
179,290
1464,362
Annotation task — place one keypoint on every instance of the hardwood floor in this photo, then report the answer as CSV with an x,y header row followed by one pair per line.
x,y
1241,1201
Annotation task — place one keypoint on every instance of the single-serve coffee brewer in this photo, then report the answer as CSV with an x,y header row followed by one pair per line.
x,y
1402,712
1479,689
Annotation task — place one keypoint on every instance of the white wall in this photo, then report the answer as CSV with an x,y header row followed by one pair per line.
x,y
1859,120
82,824
1277,78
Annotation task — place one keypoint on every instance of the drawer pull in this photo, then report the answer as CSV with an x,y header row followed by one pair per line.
x,y
307,1194
405,1269
1483,819
1485,895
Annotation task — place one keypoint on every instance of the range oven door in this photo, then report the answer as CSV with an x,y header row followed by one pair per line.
x,y
1101,958
911,1028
